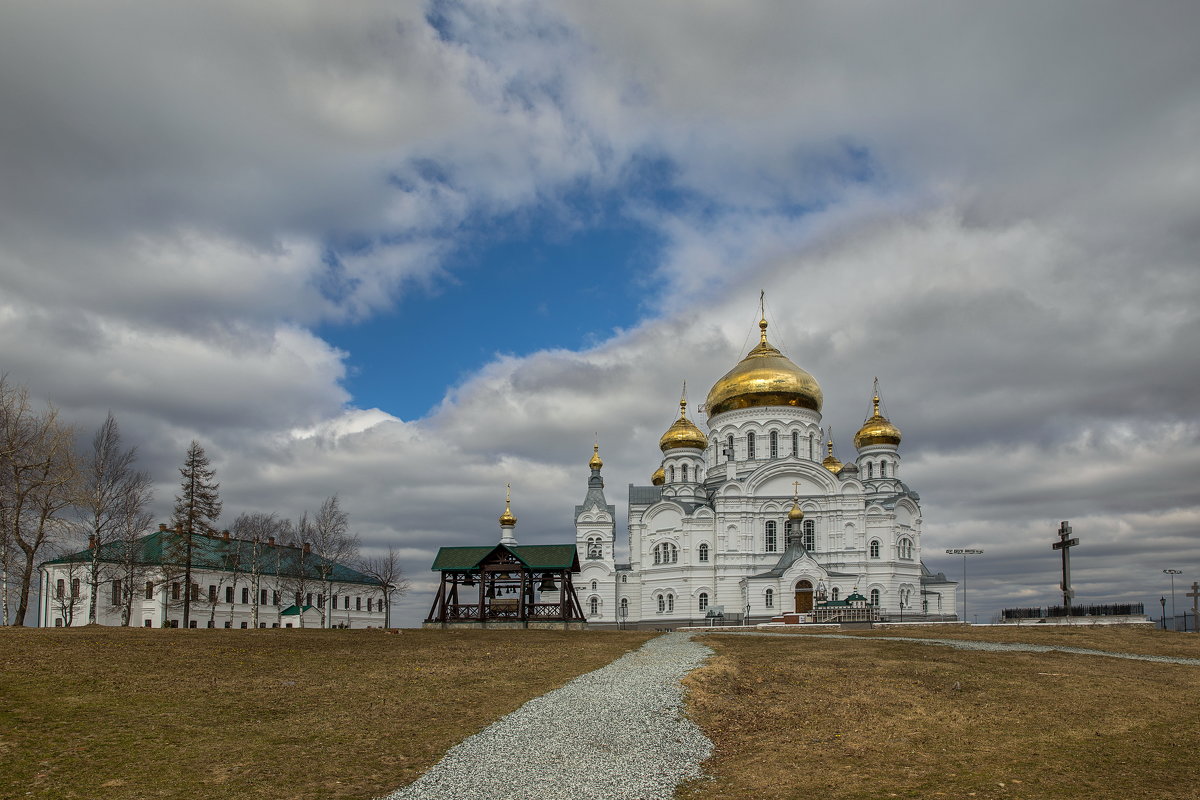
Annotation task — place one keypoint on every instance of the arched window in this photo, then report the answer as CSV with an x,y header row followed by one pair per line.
x,y
870,470
657,556
595,606
60,587
774,444
729,448
796,443
883,469
833,593
624,606
874,548
769,542
670,602
750,446
812,446
875,597
666,553
769,598
672,474
595,547
75,587
809,536
683,470
702,601
595,585
905,548
624,579
662,604
704,553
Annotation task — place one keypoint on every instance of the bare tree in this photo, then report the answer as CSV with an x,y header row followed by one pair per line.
x,y
256,529
66,596
197,506
131,567
298,571
386,569
111,493
332,544
38,474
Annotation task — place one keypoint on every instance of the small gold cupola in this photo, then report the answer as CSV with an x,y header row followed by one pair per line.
x,y
508,519
831,462
595,462
683,432
659,477
877,429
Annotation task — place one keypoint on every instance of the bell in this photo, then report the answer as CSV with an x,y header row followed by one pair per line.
x,y
491,591
469,580
548,584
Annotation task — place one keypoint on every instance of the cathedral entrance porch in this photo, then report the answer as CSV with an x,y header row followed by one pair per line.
x,y
804,597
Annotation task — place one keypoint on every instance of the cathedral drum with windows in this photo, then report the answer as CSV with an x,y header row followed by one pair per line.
x,y
760,515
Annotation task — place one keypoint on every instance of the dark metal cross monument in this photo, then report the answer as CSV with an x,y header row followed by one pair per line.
x,y
1065,543
1195,595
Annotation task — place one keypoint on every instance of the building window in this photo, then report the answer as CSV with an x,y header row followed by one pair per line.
x,y
874,548
147,623
228,624
174,590
870,470
211,624
833,593
875,597
905,549
245,624
769,537
594,606
75,587
812,446
262,597
346,605
58,622
666,553
750,446
729,448
662,604
624,579
595,584
149,590
670,602
769,598
228,594
774,444
191,623
275,597
212,593
796,443
195,591
358,604
683,472
672,475
808,539
116,592
702,601
595,549
624,606
245,595
308,600
320,600
703,556
883,469
60,588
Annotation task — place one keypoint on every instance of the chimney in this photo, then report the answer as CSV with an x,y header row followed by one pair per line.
x,y
307,548
225,535
162,526
91,543
270,540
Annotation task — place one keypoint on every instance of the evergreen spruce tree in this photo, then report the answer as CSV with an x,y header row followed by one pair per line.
x,y
196,508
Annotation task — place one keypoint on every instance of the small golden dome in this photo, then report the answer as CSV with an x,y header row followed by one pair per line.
x,y
765,377
876,430
659,477
683,433
796,514
507,518
831,462
595,461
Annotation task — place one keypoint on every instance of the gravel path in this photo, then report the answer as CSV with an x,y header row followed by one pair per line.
x,y
616,732
963,644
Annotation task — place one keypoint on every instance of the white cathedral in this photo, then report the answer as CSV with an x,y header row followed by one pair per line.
x,y
757,518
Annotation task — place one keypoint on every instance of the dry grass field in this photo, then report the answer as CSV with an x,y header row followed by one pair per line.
x,y
137,713
808,717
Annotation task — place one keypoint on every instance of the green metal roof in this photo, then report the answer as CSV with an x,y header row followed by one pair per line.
x,y
295,611
533,556
214,552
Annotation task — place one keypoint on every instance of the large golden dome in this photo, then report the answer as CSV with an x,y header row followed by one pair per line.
x,y
683,433
876,430
765,377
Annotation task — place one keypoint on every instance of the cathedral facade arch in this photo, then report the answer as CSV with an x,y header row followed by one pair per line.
x,y
775,479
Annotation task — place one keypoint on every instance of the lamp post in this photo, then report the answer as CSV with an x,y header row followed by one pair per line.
x,y
964,554
1163,602
1173,573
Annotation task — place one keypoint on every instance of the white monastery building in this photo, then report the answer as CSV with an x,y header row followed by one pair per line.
x,y
235,583
757,517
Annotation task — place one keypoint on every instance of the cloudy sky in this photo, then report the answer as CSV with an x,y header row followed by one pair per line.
x,y
410,252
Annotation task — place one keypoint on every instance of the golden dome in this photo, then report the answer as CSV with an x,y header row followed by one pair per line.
x,y
831,462
683,433
796,514
876,430
765,377
507,518
595,461
659,477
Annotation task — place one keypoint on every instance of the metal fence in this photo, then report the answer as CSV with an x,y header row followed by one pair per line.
x,y
1100,610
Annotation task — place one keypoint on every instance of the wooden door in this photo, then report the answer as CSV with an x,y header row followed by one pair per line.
x,y
804,596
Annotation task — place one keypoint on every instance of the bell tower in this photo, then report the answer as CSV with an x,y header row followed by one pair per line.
x,y
595,518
